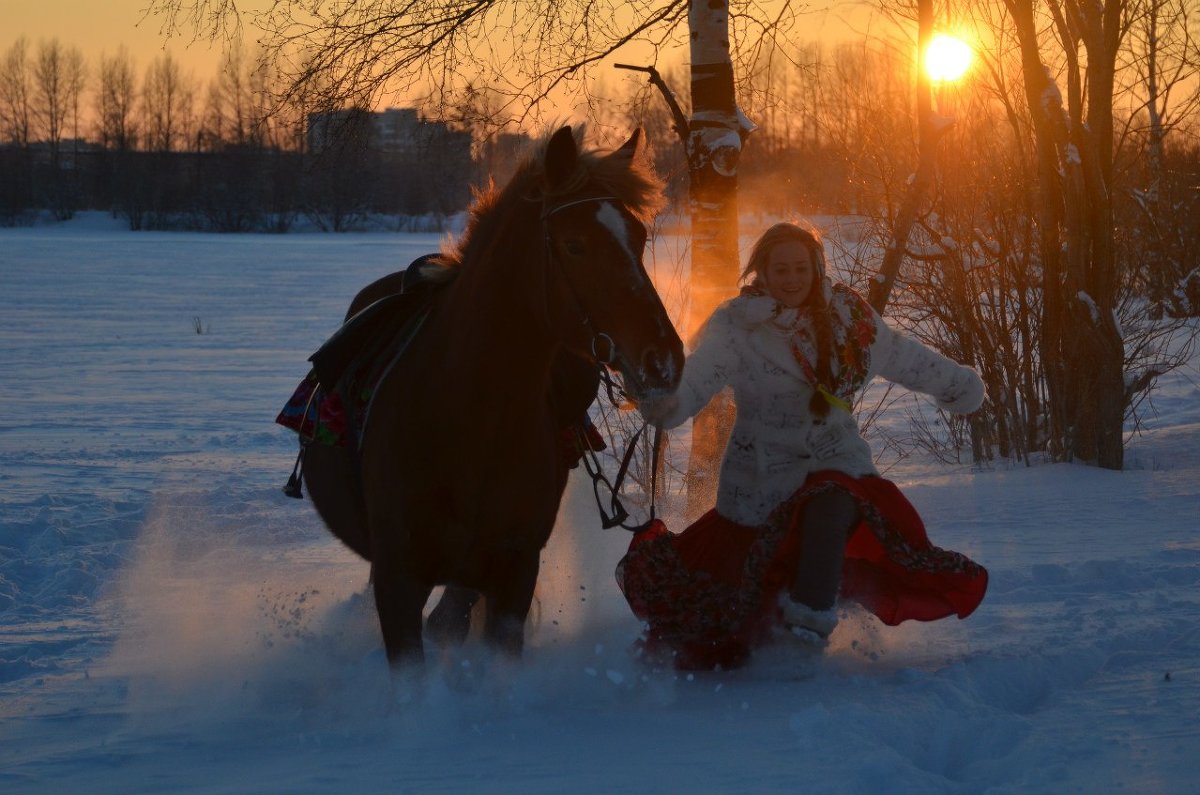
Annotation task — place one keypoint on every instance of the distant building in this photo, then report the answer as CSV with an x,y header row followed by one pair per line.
x,y
338,129
395,131
401,130
390,161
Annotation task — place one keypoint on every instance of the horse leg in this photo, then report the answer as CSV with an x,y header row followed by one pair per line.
x,y
450,620
400,596
508,602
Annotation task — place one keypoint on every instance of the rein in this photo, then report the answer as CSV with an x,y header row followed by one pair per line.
x,y
617,514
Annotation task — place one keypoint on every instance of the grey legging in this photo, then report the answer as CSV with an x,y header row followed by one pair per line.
x,y
825,527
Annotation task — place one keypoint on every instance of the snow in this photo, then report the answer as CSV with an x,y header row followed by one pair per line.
x,y
938,250
171,622
1090,303
1051,97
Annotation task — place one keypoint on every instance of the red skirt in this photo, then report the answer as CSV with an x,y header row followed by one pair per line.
x,y
709,594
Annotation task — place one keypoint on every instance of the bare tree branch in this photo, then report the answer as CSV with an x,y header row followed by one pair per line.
x,y
354,53
680,122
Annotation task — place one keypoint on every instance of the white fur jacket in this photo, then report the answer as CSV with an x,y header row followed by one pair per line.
x,y
747,344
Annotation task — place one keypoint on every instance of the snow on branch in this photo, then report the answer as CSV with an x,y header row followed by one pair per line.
x,y
1187,295
1090,303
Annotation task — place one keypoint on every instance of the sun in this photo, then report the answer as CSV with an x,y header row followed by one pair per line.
x,y
947,58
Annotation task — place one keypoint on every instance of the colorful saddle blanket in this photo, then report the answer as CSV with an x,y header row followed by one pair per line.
x,y
317,414
330,405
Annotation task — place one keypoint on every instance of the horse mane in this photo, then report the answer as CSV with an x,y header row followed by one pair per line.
x,y
631,180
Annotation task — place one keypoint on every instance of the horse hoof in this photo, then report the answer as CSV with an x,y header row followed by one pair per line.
x,y
408,685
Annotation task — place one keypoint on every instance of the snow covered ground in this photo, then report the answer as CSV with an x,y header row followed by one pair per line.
x,y
171,622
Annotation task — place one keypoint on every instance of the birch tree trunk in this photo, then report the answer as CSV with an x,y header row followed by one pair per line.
x,y
716,132
714,145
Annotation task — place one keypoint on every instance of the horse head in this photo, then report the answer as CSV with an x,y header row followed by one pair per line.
x,y
595,210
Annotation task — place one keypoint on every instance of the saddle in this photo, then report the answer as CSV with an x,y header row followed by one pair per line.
x,y
372,330
330,405
331,402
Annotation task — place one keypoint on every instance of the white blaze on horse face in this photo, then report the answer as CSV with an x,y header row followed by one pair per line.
x,y
613,220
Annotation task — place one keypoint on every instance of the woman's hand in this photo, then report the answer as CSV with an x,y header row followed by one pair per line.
x,y
964,395
656,409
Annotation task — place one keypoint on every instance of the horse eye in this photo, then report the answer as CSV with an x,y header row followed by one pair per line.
x,y
575,248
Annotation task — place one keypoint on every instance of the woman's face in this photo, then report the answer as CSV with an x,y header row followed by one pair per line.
x,y
790,273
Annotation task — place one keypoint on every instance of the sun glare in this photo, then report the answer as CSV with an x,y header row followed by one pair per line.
x,y
947,58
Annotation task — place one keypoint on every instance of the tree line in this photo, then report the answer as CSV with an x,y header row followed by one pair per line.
x,y
166,151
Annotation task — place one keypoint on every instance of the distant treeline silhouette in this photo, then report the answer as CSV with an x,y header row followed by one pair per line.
x,y
235,188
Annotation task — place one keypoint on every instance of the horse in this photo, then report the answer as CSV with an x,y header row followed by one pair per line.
x,y
459,471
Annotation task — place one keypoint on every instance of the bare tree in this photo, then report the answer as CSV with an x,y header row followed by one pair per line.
x,y
228,115
931,127
354,51
1160,73
1162,59
715,135
58,80
50,92
16,88
712,139
1028,260
272,126
116,102
239,108
76,82
168,101
1081,342
16,161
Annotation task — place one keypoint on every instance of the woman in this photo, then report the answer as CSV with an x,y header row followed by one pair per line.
x,y
802,515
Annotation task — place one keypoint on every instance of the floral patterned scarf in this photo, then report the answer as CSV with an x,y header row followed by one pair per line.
x,y
853,333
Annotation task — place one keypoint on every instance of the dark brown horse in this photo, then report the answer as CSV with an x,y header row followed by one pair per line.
x,y
461,465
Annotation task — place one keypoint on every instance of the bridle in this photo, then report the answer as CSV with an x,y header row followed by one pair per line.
x,y
617,514
610,353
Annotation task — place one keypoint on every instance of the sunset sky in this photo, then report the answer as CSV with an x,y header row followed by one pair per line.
x,y
101,26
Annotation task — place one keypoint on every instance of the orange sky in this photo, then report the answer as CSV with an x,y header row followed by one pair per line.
x,y
100,26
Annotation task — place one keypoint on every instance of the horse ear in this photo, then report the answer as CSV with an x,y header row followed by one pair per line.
x,y
562,157
631,147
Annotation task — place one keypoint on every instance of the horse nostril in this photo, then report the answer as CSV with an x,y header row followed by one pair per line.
x,y
658,368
